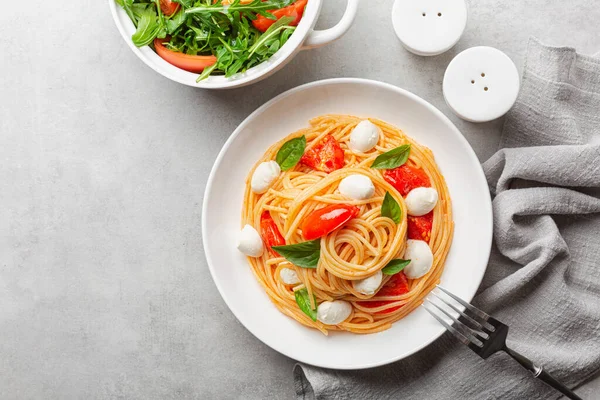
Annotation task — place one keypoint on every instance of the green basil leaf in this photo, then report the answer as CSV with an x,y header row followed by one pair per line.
x,y
303,301
147,29
305,254
290,153
395,266
393,158
390,208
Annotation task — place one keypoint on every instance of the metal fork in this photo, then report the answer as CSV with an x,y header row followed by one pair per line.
x,y
485,335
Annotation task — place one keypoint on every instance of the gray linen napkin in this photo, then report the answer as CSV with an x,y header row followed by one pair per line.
x,y
543,278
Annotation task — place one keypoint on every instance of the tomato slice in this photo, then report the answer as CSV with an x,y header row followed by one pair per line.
x,y
327,219
419,228
294,10
186,62
326,156
397,285
168,7
270,232
406,178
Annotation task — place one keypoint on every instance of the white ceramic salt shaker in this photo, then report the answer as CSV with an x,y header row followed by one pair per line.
x,y
481,84
429,27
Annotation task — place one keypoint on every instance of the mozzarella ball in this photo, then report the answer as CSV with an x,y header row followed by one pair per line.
x,y
364,136
333,312
357,187
264,175
368,285
289,276
420,256
249,242
421,200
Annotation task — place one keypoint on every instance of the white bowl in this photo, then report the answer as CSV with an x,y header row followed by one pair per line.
x,y
289,112
305,37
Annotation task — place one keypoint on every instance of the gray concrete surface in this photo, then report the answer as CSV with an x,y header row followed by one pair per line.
x,y
104,289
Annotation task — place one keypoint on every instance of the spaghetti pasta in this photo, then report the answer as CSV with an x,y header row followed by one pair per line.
x,y
360,248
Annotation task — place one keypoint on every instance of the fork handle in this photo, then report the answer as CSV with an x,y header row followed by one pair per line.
x,y
540,373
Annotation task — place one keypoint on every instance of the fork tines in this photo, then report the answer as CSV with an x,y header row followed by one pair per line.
x,y
471,330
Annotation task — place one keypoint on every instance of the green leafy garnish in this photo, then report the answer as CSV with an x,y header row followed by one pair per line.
x,y
395,266
147,29
303,301
393,158
390,208
291,152
207,27
270,33
305,254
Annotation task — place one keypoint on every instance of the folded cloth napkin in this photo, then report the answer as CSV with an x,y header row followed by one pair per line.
x,y
543,279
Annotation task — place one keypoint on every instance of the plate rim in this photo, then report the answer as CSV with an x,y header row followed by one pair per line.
x,y
276,99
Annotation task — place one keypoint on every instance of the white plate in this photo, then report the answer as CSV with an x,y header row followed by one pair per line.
x,y
289,112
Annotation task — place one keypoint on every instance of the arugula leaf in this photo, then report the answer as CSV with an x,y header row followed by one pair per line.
x,y
303,301
175,21
390,208
395,266
393,158
271,32
291,152
148,28
206,73
305,254
249,10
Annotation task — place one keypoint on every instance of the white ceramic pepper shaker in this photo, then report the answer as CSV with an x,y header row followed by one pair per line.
x,y
429,27
481,84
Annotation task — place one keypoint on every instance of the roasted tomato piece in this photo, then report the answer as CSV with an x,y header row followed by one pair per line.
x,y
419,228
326,156
327,219
270,232
406,178
396,286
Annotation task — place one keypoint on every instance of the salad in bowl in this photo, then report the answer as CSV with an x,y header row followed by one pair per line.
x,y
213,37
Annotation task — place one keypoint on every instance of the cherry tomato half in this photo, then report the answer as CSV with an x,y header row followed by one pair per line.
x,y
406,178
270,232
396,286
326,156
419,228
294,10
327,219
168,7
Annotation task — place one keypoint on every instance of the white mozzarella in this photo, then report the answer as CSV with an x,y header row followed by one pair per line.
x,y
264,175
368,285
333,312
357,187
421,200
249,242
289,276
420,256
364,136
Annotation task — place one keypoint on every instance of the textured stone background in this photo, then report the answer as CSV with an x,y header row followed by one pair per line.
x,y
104,289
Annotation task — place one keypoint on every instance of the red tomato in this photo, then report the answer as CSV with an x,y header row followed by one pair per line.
x,y
186,62
397,285
168,7
419,228
405,178
326,156
327,219
270,232
294,10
